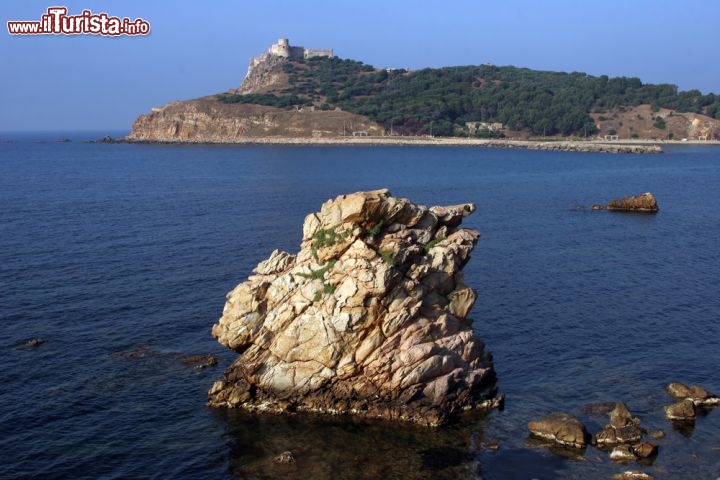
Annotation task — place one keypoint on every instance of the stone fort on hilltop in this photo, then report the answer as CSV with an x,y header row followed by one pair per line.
x,y
283,49
262,73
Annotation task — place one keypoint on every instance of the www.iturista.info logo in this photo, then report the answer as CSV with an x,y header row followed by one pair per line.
x,y
57,22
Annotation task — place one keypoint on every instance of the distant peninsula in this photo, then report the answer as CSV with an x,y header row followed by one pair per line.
x,y
293,94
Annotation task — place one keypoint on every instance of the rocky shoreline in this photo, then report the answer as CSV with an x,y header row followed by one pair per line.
x,y
561,146
623,437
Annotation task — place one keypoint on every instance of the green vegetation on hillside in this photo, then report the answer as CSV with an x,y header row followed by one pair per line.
x,y
440,101
268,99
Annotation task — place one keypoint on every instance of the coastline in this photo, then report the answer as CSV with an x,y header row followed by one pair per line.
x,y
552,145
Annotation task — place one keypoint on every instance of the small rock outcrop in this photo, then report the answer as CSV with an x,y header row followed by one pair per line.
x,y
645,450
623,428
34,342
695,393
683,411
561,428
644,203
622,453
632,475
369,317
630,453
285,457
624,435
690,401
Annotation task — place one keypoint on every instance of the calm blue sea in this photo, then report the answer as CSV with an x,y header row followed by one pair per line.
x,y
120,256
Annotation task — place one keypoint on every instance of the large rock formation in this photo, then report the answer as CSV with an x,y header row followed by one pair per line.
x,y
370,317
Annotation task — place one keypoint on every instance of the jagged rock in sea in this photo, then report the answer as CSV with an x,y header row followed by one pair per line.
x,y
645,202
560,427
369,317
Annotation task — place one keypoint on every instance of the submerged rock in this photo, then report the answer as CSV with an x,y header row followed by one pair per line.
x,y
632,475
560,427
598,408
645,202
369,317
143,352
200,361
34,342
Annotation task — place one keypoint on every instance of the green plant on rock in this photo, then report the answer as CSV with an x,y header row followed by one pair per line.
x,y
327,289
429,245
388,256
318,274
375,231
326,237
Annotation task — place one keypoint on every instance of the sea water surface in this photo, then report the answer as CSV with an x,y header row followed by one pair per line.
x,y
120,256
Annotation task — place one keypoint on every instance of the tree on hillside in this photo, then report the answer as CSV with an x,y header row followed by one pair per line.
x,y
538,102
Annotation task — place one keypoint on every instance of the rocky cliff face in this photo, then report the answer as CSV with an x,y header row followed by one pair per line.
x,y
207,120
264,75
369,317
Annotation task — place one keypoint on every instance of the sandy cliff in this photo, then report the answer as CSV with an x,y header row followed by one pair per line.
x,y
207,120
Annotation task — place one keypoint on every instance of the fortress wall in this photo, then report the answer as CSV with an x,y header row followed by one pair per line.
x,y
311,52
296,52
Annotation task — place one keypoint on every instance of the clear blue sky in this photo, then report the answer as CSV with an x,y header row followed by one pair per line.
x,y
53,82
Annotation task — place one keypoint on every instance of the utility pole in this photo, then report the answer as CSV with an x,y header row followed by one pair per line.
x,y
431,125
